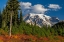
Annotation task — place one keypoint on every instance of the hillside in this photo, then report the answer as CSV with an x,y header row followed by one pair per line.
x,y
59,28
59,25
29,33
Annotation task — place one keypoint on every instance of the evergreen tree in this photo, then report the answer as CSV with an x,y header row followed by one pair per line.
x,y
4,18
21,19
12,8
0,19
13,5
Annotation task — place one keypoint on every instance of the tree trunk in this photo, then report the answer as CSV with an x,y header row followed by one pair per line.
x,y
10,24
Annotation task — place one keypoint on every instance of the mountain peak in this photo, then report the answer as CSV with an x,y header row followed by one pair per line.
x,y
40,19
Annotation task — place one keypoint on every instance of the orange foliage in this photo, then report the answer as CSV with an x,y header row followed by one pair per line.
x,y
32,38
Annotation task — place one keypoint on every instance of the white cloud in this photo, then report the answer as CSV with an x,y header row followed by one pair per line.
x,y
54,6
28,8
25,5
38,8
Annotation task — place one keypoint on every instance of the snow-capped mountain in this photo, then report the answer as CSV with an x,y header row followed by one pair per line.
x,y
40,19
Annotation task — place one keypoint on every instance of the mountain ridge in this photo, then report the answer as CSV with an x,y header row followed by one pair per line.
x,y
40,19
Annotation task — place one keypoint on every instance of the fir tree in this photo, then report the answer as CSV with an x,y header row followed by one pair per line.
x,y
0,19
21,19
12,8
4,18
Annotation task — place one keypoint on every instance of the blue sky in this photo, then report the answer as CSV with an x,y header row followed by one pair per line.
x,y
2,4
53,13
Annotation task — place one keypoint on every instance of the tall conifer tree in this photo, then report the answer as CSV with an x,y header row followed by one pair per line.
x,y
21,19
0,19
4,18
12,8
